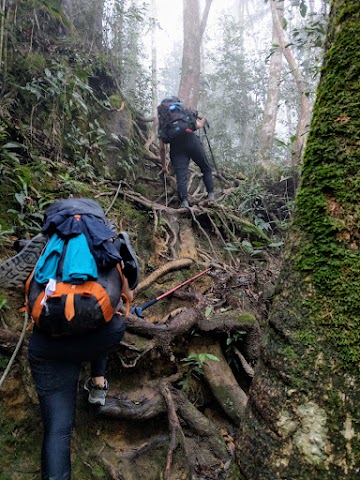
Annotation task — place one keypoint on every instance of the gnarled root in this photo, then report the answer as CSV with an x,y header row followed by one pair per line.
x,y
163,270
222,382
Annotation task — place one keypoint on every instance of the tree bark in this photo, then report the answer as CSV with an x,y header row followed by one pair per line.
x,y
193,30
303,403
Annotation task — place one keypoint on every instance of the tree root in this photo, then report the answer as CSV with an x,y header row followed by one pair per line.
x,y
246,366
176,432
163,270
222,383
200,424
148,446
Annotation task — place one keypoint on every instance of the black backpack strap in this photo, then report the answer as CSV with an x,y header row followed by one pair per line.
x,y
130,268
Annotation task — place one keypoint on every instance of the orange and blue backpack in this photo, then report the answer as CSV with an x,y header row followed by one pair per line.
x,y
76,285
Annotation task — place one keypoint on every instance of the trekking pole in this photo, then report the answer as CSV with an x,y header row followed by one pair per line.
x,y
212,155
166,192
138,310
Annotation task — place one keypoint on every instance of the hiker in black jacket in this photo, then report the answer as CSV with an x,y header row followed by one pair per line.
x,y
184,147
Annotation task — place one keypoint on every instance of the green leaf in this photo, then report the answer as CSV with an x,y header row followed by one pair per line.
x,y
303,9
210,356
202,357
276,244
231,247
208,311
279,142
13,145
20,198
247,246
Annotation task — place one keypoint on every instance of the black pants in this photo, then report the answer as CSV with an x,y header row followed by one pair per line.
x,y
181,151
55,366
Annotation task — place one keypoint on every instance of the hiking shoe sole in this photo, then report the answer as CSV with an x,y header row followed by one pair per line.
x,y
15,270
96,395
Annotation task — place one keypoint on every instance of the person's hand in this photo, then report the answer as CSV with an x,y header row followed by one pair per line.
x,y
164,170
200,122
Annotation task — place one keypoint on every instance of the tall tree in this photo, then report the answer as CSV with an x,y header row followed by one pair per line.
x,y
272,98
154,75
304,110
302,420
193,29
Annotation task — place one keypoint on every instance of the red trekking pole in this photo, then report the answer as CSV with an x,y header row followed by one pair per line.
x,y
138,310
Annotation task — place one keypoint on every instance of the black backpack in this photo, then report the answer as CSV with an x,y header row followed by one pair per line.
x,y
174,119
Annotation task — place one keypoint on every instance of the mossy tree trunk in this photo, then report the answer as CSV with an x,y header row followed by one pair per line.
x,y
301,418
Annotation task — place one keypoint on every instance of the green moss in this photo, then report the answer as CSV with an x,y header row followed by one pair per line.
x,y
115,101
328,215
34,63
15,437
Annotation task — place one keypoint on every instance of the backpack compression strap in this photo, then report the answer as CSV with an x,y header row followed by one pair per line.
x,y
123,295
89,288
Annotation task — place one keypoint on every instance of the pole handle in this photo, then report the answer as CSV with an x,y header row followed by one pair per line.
x,y
148,304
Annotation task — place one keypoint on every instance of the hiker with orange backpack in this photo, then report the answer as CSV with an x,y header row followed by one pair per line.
x,y
177,125
74,302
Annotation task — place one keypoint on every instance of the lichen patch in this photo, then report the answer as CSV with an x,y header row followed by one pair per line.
x,y
311,436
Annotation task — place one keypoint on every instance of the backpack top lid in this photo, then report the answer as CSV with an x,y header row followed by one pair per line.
x,y
175,120
74,206
169,100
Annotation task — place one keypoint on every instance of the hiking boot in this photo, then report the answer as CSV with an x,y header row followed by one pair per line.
x,y
185,204
96,394
211,196
15,270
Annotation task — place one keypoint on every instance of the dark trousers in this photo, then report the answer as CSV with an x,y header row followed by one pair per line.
x,y
182,150
55,366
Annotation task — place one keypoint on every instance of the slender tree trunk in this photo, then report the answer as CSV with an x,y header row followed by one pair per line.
x,y
193,30
302,421
300,83
272,99
2,30
154,77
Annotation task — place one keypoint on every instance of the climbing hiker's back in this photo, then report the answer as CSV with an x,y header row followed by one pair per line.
x,y
176,127
76,284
